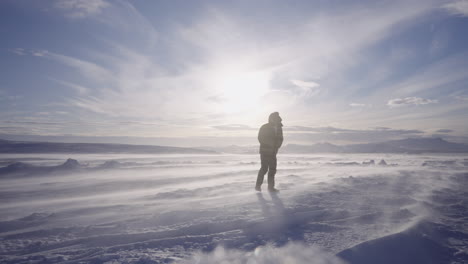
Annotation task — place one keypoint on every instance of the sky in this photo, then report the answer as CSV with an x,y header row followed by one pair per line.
x,y
208,73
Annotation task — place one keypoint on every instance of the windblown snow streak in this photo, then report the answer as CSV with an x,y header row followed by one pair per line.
x,y
291,253
186,208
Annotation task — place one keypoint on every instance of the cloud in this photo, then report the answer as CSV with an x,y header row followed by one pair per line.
x,y
342,131
304,84
90,70
95,105
337,135
308,135
19,51
457,7
382,128
59,123
316,129
291,253
320,133
409,101
177,80
38,53
307,88
4,96
97,131
216,98
357,105
438,75
23,52
234,127
81,90
462,97
444,131
81,8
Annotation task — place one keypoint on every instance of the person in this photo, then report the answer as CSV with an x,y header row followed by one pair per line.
x,y
270,137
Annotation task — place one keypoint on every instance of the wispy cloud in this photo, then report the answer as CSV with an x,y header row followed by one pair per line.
x,y
81,8
207,37
307,88
331,134
234,127
81,90
5,96
19,51
61,123
409,101
23,52
441,73
38,53
462,97
357,105
444,131
88,69
328,129
457,7
225,68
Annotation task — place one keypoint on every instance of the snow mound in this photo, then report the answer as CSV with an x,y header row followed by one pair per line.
x,y
352,163
36,216
439,163
419,244
25,168
14,167
291,253
110,164
70,164
383,163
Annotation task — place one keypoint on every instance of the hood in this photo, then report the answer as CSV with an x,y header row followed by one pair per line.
x,y
275,118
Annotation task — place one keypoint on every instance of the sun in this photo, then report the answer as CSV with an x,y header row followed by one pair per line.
x,y
238,90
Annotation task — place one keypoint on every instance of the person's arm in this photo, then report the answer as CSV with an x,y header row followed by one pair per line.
x,y
262,136
280,138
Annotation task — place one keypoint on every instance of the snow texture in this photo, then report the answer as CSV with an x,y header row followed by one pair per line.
x,y
195,208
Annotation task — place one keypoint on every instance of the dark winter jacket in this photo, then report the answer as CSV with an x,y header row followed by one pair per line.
x,y
270,137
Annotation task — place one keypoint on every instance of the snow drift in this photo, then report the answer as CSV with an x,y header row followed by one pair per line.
x,y
97,208
291,253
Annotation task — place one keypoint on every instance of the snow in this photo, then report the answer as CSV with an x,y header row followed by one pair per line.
x,y
189,208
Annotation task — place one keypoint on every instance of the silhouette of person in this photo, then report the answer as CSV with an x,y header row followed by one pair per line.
x,y
270,137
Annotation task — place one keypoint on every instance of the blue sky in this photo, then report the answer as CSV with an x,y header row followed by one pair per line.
x,y
209,72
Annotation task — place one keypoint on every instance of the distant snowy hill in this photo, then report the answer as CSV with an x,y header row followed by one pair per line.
x,y
234,149
409,145
316,148
21,169
50,147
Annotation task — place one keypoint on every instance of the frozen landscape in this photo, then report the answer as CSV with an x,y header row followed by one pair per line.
x,y
131,131
202,208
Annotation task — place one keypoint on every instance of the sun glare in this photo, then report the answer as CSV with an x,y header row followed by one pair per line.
x,y
240,91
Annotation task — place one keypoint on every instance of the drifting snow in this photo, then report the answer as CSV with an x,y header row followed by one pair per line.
x,y
291,253
186,208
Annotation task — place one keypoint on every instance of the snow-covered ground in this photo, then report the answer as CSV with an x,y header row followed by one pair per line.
x,y
203,209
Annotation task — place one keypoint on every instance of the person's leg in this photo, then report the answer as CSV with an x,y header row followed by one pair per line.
x,y
271,171
263,170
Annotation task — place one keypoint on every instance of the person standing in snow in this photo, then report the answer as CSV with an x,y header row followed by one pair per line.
x,y
270,137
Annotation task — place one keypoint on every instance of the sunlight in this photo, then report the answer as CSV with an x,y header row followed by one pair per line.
x,y
239,91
